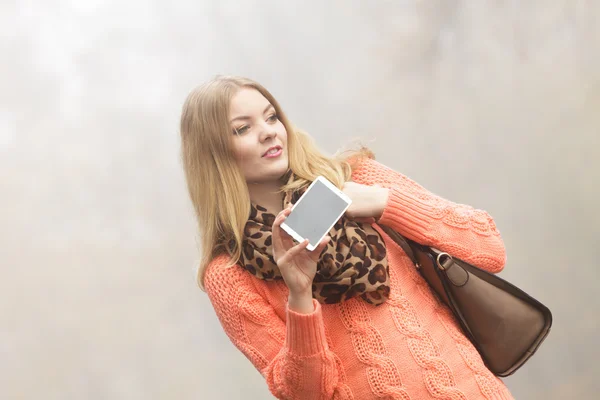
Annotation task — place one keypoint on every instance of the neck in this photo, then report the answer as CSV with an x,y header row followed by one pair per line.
x,y
265,194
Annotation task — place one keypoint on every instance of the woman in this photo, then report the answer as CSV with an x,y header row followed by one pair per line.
x,y
351,319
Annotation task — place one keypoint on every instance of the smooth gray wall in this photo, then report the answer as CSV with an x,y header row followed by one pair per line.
x,y
491,103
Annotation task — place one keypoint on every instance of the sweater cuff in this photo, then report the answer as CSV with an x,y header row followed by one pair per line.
x,y
407,214
305,332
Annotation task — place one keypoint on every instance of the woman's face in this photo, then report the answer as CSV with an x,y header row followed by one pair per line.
x,y
257,129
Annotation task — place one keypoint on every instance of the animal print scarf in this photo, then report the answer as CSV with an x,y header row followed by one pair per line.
x,y
354,263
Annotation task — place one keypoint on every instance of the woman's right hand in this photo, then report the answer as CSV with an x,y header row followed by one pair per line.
x,y
297,265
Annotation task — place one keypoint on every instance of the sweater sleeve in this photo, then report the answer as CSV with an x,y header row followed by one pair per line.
x,y
293,356
460,230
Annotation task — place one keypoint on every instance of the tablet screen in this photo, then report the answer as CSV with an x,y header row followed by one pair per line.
x,y
316,212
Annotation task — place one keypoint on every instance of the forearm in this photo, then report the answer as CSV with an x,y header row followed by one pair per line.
x,y
461,230
292,353
305,368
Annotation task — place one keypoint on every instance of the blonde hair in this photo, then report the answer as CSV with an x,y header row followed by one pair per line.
x,y
216,185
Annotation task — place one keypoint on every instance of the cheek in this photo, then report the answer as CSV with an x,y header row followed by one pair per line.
x,y
243,153
282,132
238,152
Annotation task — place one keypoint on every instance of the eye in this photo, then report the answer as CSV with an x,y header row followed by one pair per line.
x,y
273,118
240,130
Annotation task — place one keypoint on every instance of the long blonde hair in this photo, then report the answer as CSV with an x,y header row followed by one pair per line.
x,y
216,184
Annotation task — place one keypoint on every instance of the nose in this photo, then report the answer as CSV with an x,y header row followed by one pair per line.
x,y
267,132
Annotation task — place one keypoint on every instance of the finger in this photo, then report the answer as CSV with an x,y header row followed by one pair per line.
x,y
281,240
295,251
286,238
282,215
319,249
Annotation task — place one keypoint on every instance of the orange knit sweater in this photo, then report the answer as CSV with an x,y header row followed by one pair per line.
x,y
408,348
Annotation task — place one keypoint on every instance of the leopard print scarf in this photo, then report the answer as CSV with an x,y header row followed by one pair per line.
x,y
353,263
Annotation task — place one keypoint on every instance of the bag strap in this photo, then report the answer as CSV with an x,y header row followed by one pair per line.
x,y
403,242
457,277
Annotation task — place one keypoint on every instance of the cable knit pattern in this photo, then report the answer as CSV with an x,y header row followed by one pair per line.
x,y
438,376
383,375
488,383
431,220
407,348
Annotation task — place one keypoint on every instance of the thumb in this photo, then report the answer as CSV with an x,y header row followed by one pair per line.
x,y
316,253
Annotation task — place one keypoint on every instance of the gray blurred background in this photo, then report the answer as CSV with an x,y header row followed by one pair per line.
x,y
495,104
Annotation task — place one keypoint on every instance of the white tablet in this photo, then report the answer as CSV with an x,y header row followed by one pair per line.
x,y
316,212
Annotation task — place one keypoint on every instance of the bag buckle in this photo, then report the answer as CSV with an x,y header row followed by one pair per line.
x,y
440,262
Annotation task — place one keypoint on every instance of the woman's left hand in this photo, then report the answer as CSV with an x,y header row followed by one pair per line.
x,y
368,202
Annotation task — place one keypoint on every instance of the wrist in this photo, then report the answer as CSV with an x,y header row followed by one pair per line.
x,y
301,302
382,200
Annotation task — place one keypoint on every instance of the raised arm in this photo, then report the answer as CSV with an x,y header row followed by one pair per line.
x,y
461,230
293,356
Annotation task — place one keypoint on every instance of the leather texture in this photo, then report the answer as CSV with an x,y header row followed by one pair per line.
x,y
504,323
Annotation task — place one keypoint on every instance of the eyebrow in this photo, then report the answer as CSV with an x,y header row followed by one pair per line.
x,y
245,117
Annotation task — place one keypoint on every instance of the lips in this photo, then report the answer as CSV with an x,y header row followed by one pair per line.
x,y
271,148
